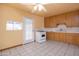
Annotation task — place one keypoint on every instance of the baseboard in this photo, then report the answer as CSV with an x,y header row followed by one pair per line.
x,y
11,47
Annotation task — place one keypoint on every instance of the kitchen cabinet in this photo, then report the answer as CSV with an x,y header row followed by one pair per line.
x,y
53,21
68,37
72,19
75,38
50,22
56,36
71,38
61,37
50,35
59,19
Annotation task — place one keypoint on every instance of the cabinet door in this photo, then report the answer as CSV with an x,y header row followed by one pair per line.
x,y
72,19
62,37
50,35
52,22
60,19
76,39
68,38
47,23
56,36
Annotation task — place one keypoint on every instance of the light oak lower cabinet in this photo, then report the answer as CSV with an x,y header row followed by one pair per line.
x,y
50,35
71,38
61,37
68,38
76,39
58,36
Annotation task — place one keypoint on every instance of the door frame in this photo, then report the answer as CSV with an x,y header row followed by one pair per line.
x,y
24,30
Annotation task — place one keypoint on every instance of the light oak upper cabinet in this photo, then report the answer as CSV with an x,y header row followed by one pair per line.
x,y
72,19
52,22
60,19
49,22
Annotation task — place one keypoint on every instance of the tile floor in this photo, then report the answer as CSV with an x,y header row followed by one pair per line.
x,y
48,48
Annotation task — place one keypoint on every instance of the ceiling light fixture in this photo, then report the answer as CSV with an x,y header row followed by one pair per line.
x,y
39,7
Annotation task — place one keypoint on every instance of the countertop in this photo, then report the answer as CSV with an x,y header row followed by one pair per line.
x,y
68,30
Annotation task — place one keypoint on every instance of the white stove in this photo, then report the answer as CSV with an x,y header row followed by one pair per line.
x,y
40,36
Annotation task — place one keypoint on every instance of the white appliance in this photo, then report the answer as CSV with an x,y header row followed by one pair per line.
x,y
40,36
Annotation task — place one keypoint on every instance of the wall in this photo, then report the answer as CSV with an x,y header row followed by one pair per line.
x,y
71,19
13,38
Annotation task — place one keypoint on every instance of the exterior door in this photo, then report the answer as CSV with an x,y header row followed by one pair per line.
x,y
28,30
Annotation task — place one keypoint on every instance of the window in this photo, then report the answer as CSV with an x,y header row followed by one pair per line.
x,y
12,25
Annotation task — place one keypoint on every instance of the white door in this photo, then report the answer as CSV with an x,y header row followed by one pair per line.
x,y
28,30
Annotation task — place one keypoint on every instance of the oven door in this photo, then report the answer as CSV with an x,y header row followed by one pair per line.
x,y
43,35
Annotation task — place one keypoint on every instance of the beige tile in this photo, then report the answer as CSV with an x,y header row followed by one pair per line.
x,y
62,50
48,48
76,52
70,50
6,53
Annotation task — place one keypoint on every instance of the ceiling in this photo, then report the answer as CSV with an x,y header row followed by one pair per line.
x,y
52,8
